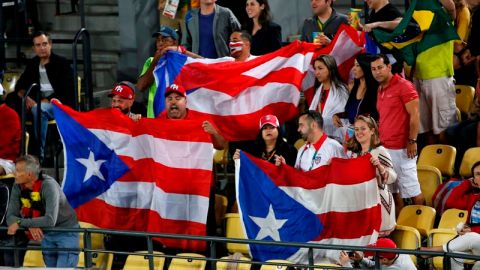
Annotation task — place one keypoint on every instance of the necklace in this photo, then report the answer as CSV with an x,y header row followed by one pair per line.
x,y
268,155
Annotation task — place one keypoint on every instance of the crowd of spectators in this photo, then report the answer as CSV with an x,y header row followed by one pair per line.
x,y
380,112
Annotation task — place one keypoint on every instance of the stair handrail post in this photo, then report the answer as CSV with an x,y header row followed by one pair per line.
x,y
87,62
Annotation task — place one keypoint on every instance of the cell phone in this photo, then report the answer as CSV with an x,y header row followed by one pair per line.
x,y
351,254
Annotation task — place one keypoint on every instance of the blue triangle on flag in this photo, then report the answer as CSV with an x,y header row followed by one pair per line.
x,y
81,146
257,194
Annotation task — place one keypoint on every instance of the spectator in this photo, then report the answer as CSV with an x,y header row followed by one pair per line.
x,y
433,78
37,202
367,140
208,29
176,108
388,260
54,75
462,25
331,93
397,105
384,16
466,242
270,143
5,256
362,99
319,149
266,35
123,98
10,137
240,46
466,196
324,23
177,21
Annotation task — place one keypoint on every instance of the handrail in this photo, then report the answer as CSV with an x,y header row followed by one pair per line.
x,y
87,70
24,101
214,239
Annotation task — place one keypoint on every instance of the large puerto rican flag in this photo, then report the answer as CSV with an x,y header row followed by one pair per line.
x,y
237,94
153,175
334,204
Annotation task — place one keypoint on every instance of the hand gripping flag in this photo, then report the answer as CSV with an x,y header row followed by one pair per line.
x,y
238,94
153,175
334,204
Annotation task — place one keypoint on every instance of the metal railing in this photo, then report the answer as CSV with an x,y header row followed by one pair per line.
x,y
214,241
83,36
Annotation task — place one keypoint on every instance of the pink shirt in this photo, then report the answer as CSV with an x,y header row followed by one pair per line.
x,y
394,119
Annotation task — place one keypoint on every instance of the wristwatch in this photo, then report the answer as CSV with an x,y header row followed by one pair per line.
x,y
412,141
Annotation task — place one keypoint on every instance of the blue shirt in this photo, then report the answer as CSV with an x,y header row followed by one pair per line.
x,y
207,44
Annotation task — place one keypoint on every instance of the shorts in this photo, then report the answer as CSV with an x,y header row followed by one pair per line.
x,y
406,168
437,104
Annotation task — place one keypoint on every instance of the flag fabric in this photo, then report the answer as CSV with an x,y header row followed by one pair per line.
x,y
424,25
153,175
334,204
238,94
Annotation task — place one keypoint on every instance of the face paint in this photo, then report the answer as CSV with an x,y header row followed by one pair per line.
x,y
236,47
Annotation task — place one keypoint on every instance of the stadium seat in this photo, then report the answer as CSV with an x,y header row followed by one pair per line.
x,y
429,178
326,266
276,267
420,217
33,258
220,158
221,203
234,230
464,98
451,217
141,262
102,261
438,237
187,264
407,237
96,238
440,156
240,266
471,156
299,143
458,114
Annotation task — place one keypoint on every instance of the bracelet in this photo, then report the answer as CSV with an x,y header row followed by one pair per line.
x,y
412,141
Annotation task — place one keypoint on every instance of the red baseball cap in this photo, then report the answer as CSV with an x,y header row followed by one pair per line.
x,y
175,88
123,91
269,119
382,243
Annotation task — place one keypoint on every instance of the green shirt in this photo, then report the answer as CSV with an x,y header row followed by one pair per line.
x,y
152,89
435,62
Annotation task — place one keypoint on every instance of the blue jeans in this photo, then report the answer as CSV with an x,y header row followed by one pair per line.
x,y
61,240
46,115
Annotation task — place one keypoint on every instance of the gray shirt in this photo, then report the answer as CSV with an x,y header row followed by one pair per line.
x,y
58,212
331,26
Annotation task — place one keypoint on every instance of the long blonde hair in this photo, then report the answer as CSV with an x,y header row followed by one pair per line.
x,y
354,146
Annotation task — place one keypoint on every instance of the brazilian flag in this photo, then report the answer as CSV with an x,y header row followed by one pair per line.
x,y
425,25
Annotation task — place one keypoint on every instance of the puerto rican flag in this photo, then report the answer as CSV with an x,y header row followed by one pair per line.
x,y
153,175
334,204
238,94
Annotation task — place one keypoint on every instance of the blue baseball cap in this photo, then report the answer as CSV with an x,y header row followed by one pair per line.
x,y
166,31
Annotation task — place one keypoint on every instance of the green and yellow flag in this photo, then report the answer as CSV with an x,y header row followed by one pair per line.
x,y
425,25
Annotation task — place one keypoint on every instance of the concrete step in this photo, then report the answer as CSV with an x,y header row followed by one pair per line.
x,y
105,41
94,23
48,7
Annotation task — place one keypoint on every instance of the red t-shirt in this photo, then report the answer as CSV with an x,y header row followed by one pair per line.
x,y
10,136
394,119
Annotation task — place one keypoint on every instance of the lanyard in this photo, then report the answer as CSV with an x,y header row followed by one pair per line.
x,y
320,143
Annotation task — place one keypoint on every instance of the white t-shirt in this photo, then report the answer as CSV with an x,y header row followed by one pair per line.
x,y
403,262
312,156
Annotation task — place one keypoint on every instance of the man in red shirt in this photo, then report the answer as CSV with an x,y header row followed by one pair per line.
x,y
176,108
397,105
10,137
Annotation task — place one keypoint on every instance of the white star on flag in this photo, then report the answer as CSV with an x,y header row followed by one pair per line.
x,y
92,165
269,225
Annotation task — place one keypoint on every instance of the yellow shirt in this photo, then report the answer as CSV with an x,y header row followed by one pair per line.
x,y
435,62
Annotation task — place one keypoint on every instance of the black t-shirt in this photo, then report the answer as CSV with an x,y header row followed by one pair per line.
x,y
387,13
474,38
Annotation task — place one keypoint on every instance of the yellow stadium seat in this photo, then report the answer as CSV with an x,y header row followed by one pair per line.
x,y
438,237
458,114
33,258
221,203
220,158
451,217
234,230
471,156
440,156
420,217
141,262
187,264
429,178
325,266
464,97
276,267
407,237
240,266
96,238
299,143
99,260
